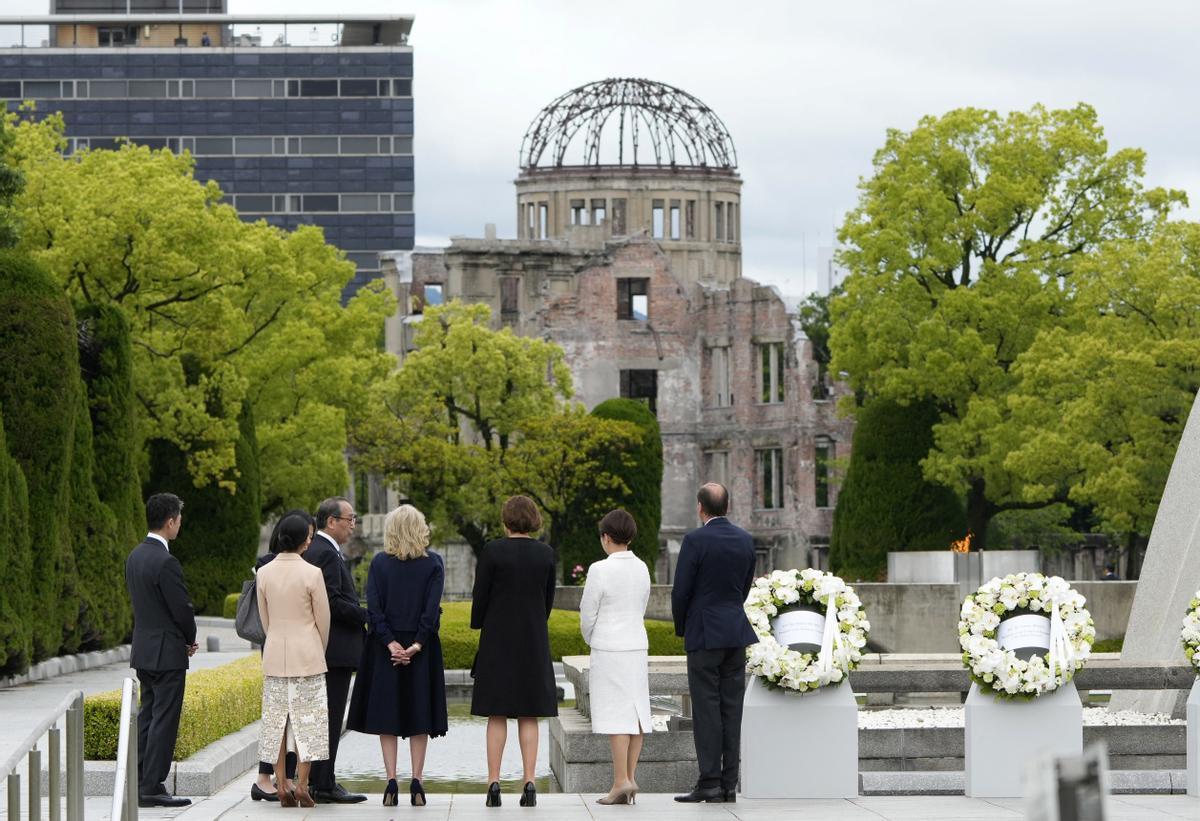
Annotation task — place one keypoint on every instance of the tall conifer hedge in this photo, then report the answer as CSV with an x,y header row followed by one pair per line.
x,y
885,503
15,557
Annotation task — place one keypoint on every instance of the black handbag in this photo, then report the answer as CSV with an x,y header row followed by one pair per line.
x,y
247,623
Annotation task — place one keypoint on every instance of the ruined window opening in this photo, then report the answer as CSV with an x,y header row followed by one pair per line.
x,y
771,373
510,297
720,221
433,293
530,221
722,396
543,220
633,300
770,478
657,228
689,219
821,468
579,212
674,219
599,212
716,466
731,216
618,216
641,385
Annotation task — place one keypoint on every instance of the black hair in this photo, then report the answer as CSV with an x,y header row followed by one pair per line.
x,y
160,508
329,509
713,499
619,526
291,532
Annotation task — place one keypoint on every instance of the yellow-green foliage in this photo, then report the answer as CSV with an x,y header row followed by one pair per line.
x,y
217,702
459,641
229,608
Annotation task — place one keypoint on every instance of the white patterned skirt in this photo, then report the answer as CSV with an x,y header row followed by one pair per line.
x,y
619,692
302,699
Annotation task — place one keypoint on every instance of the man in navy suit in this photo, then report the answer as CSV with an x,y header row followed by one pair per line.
x,y
712,579
164,638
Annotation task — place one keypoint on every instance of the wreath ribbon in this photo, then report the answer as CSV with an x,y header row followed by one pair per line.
x,y
830,638
1062,652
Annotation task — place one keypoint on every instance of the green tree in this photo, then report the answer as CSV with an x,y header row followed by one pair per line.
x,y
475,415
815,321
886,504
963,248
257,309
641,471
39,395
219,538
16,609
11,182
1101,401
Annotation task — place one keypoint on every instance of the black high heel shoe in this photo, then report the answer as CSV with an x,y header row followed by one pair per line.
x,y
493,794
529,795
391,793
416,793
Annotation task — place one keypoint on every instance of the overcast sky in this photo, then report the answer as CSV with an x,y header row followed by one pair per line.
x,y
807,90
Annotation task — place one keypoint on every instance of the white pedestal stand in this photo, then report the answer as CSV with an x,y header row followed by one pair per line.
x,y
1193,740
1001,736
775,725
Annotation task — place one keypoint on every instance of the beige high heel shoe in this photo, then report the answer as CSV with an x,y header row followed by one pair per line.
x,y
626,794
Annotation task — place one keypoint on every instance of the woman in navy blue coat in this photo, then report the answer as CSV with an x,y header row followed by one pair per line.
x,y
401,685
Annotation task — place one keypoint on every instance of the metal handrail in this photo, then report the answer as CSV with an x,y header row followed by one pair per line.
x,y
124,797
72,708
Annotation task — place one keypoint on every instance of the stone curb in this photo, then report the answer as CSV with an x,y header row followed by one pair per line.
x,y
63,665
1120,782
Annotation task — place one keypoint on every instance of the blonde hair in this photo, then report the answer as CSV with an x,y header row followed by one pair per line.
x,y
405,533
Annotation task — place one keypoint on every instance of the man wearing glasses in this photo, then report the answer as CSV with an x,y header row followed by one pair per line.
x,y
335,526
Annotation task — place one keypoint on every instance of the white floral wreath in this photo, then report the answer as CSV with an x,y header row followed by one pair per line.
x,y
1190,635
993,668
846,629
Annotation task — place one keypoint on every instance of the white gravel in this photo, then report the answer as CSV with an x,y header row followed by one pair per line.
x,y
953,717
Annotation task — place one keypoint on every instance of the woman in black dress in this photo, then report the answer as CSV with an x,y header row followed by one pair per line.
x,y
400,689
514,676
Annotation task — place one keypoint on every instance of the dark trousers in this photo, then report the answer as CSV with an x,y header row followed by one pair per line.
x,y
717,683
337,690
158,726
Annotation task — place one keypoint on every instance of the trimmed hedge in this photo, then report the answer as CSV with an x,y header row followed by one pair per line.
x,y
217,702
16,559
219,538
229,608
39,391
459,641
886,503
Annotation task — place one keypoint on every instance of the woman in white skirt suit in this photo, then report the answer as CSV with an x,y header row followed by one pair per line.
x,y
612,617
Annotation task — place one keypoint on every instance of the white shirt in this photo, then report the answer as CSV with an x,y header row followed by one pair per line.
x,y
161,539
333,542
614,603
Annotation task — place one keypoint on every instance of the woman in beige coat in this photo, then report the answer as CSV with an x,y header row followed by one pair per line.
x,y
295,614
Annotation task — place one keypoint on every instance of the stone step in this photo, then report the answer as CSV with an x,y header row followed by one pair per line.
x,y
1121,782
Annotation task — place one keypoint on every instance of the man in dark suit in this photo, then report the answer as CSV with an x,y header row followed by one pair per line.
x,y
164,637
712,579
335,526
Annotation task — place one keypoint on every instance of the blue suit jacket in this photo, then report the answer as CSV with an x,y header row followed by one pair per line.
x,y
712,579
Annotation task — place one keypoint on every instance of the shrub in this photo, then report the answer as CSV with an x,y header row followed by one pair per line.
x,y
886,503
219,538
217,702
229,608
459,641
39,391
641,469
15,558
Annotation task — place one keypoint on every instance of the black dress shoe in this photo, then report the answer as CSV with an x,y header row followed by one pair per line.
x,y
529,795
711,795
259,794
162,799
730,796
493,795
338,795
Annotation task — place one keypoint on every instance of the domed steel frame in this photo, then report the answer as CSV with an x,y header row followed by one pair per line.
x,y
681,130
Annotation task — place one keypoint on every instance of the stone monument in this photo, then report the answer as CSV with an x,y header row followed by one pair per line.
x,y
1170,575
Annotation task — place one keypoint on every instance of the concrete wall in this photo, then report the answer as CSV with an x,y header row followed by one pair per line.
x,y
919,618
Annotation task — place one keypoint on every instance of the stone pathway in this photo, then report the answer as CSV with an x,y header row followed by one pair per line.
x,y
234,804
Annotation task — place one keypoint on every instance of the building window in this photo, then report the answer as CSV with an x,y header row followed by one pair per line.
x,y
674,219
510,297
731,216
642,386
618,217
689,219
770,478
633,301
599,212
720,395
822,452
719,219
771,372
716,466
543,220
579,213
425,294
657,227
